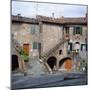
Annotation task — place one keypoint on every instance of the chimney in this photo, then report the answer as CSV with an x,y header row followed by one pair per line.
x,y
19,15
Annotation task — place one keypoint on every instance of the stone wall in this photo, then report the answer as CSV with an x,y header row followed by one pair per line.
x,y
22,33
51,36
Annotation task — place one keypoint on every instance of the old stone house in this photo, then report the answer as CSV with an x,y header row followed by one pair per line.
x,y
60,43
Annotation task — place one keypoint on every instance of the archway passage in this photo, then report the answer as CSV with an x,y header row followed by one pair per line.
x,y
52,62
67,62
14,62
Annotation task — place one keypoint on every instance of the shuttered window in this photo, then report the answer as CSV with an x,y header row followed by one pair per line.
x,y
83,47
77,30
35,45
33,29
70,46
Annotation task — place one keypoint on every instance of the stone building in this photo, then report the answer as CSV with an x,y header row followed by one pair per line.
x,y
59,43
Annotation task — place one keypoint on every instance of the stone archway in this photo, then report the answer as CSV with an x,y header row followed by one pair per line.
x,y
14,62
67,62
52,62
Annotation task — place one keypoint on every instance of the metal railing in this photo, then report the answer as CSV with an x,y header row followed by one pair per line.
x,y
53,49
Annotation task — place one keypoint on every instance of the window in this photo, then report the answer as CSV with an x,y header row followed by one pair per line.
x,y
67,30
83,47
77,30
33,31
70,46
35,45
60,52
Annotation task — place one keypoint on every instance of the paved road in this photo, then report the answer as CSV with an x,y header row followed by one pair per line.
x,y
41,81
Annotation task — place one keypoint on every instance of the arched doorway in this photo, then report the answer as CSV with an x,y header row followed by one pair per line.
x,y
52,62
14,62
67,62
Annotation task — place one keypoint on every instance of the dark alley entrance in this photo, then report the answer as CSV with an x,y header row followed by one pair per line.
x,y
52,62
14,62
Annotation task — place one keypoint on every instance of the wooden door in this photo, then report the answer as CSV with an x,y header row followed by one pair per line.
x,y
68,64
26,48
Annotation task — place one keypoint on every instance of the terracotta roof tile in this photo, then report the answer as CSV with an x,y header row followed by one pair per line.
x,y
68,20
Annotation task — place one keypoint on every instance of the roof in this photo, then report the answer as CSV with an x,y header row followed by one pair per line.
x,y
44,19
64,20
21,19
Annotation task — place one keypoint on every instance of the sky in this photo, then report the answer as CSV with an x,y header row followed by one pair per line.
x,y
31,9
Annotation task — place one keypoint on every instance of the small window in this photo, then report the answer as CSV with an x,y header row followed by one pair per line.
x,y
35,45
77,30
60,52
33,30
70,46
67,30
83,47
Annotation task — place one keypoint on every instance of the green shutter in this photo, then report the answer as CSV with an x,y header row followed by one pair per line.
x,y
74,31
70,46
35,46
33,30
81,30
86,47
81,46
